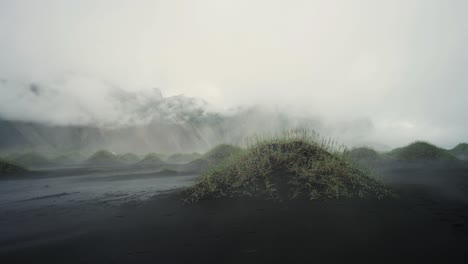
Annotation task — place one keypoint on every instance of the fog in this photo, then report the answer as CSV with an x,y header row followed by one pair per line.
x,y
380,72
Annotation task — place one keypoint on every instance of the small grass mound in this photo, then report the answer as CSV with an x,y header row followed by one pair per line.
x,y
129,158
181,158
10,168
103,158
420,151
31,159
460,151
214,156
68,159
363,154
152,159
221,152
290,166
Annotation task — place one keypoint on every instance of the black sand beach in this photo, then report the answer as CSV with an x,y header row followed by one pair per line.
x,y
426,224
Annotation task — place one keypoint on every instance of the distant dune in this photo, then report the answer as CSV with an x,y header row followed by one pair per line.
x,y
421,151
9,168
103,158
181,158
31,159
460,151
152,159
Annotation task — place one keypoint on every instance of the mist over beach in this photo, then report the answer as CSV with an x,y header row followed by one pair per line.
x,y
222,131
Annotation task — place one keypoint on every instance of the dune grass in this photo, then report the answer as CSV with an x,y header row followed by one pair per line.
x,y
290,165
419,151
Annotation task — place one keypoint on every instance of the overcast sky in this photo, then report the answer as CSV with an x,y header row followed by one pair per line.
x,y
402,65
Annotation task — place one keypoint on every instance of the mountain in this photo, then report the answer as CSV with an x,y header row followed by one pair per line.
x,y
82,114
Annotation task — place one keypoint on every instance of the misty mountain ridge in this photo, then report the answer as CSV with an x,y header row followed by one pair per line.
x,y
86,101
85,115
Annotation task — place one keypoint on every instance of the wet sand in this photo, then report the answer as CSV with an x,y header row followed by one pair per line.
x,y
426,224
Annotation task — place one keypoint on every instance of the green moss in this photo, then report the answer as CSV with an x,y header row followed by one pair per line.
x,y
421,151
292,165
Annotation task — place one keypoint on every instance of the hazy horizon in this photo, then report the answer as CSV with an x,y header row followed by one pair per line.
x,y
391,72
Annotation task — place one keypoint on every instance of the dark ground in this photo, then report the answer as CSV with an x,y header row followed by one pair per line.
x,y
427,224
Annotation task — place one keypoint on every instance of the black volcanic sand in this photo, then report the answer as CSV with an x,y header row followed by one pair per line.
x,y
427,224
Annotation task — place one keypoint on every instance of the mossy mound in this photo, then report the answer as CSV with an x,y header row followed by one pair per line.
x,y
421,151
460,151
129,158
363,154
181,158
31,159
152,159
286,169
103,158
10,168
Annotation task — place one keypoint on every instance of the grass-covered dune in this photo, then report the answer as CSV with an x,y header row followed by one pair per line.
x,y
420,151
214,156
151,159
31,159
460,151
363,154
180,158
289,166
10,168
129,158
221,152
103,158
68,158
